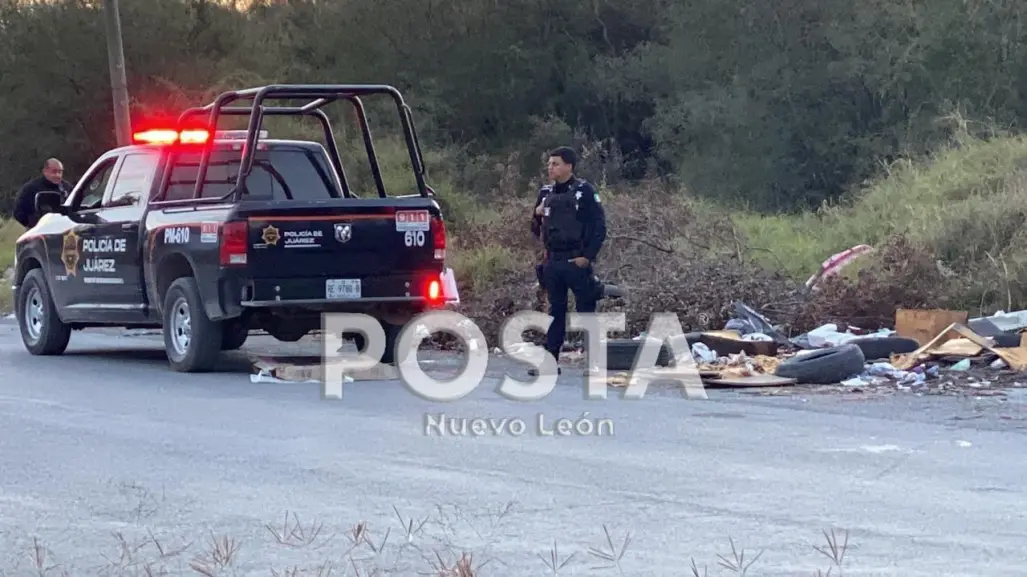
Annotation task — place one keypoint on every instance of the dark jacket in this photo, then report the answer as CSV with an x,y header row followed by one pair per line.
x,y
25,204
590,214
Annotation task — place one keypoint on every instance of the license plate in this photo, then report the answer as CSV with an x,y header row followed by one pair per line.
x,y
345,288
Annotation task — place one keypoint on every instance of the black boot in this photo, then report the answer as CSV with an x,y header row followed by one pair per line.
x,y
534,372
610,291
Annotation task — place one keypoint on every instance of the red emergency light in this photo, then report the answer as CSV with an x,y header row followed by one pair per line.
x,y
170,136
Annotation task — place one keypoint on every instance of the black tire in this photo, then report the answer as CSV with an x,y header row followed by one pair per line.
x,y
199,352
391,339
882,347
41,328
824,366
621,354
233,336
1006,340
392,333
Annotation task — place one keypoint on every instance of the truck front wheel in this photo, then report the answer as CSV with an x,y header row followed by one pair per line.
x,y
41,329
192,341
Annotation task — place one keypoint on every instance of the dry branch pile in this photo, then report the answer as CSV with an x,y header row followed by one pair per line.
x,y
657,249
902,274
671,259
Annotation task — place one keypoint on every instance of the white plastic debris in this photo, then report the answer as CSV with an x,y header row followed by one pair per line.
x,y
422,331
875,372
703,354
472,344
963,365
1009,322
828,336
265,376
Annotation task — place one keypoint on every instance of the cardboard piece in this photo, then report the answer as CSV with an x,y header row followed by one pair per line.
x,y
659,374
725,334
731,343
923,325
939,346
303,369
961,347
751,381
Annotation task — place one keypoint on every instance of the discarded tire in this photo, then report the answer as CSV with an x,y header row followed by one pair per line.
x,y
883,347
824,366
621,353
1007,340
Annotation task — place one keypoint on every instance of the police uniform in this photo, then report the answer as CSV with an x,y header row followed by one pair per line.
x,y
572,225
536,229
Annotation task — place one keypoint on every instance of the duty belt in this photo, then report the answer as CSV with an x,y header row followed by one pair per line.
x,y
563,254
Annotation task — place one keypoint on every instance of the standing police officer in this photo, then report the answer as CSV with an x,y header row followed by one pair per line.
x,y
572,226
51,179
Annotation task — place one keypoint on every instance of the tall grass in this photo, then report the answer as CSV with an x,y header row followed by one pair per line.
x,y
9,233
967,202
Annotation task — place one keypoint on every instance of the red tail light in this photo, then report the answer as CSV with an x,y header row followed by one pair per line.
x,y
434,290
439,237
233,243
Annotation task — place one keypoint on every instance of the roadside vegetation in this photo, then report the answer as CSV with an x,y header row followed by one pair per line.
x,y
9,232
947,229
448,543
786,135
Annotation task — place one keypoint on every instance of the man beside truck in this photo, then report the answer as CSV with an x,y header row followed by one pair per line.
x,y
52,178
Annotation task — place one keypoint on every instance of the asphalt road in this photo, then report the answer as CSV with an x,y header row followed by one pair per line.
x,y
105,440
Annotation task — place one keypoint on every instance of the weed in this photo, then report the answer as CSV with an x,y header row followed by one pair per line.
x,y
10,230
429,547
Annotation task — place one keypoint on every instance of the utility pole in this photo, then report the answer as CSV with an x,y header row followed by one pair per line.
x,y
119,85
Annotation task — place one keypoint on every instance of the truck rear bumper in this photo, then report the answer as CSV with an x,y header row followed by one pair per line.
x,y
313,292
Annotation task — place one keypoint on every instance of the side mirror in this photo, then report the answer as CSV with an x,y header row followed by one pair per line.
x,y
49,201
130,199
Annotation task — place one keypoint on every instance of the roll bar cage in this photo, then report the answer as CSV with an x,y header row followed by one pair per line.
x,y
320,95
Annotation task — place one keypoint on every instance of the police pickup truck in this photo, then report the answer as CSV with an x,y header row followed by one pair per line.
x,y
210,234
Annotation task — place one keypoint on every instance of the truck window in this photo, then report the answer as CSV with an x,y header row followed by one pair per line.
x,y
133,180
278,174
92,191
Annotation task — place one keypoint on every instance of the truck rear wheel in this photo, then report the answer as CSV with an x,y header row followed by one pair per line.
x,y
234,335
192,341
391,338
41,329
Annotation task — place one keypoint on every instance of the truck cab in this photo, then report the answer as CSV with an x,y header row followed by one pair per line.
x,y
209,234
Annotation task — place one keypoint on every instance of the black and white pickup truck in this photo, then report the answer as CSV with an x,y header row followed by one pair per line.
x,y
210,234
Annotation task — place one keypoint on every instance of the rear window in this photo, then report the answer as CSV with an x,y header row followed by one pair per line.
x,y
279,174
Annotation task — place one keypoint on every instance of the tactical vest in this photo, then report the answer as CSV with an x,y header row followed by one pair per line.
x,y
564,232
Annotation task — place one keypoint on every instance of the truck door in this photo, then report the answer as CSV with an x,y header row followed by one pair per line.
x,y
111,258
75,299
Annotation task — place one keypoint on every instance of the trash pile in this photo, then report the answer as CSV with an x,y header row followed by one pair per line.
x,y
929,352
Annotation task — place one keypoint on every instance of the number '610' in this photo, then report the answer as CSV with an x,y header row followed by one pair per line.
x,y
414,238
